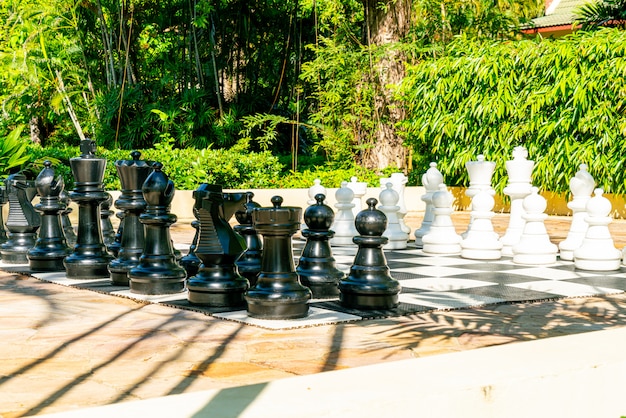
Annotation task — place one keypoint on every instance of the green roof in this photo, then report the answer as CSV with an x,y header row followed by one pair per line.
x,y
563,14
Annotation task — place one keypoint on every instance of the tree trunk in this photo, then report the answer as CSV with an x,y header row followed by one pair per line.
x,y
387,22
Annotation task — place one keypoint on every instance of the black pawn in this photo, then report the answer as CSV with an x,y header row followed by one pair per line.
x,y
116,245
51,247
132,173
249,264
217,282
108,232
190,261
3,201
22,222
157,273
277,294
68,229
369,284
316,266
89,258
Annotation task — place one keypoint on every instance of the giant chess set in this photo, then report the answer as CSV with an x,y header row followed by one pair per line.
x,y
359,261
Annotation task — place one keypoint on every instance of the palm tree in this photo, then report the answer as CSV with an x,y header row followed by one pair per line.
x,y
608,13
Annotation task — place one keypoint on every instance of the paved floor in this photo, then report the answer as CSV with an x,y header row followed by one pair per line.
x,y
62,348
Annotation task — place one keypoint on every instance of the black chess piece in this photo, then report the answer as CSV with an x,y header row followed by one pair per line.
x,y
158,272
3,201
68,229
316,266
249,264
369,284
277,294
217,282
108,232
133,174
191,262
89,259
116,245
51,247
23,221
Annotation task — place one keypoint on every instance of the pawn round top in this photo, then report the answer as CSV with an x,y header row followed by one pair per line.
x,y
389,197
319,217
442,198
483,201
598,206
158,189
277,201
135,155
316,188
371,222
344,194
534,202
244,217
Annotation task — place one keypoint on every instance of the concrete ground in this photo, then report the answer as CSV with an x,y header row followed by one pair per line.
x,y
63,349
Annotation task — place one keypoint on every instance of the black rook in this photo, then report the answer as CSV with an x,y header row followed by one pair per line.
x,y
277,294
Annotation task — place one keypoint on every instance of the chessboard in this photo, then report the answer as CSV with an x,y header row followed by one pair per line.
x,y
429,283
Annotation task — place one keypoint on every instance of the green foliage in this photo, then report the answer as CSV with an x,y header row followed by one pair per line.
x,y
12,151
564,100
330,176
599,13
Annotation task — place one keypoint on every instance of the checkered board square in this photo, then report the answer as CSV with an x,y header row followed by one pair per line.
x,y
428,283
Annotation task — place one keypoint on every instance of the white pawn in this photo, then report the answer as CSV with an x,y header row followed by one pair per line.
x,y
442,237
314,190
431,181
359,188
581,186
519,170
598,252
534,246
397,238
479,173
481,241
343,226
399,181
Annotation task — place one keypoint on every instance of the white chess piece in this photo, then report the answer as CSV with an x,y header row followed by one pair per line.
x,y
343,226
581,186
479,173
481,241
519,186
399,181
431,181
316,189
359,188
397,238
598,252
534,246
442,237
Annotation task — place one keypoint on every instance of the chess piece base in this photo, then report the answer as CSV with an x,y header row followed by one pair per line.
x,y
217,286
267,309
364,301
15,250
157,281
86,268
47,264
481,254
